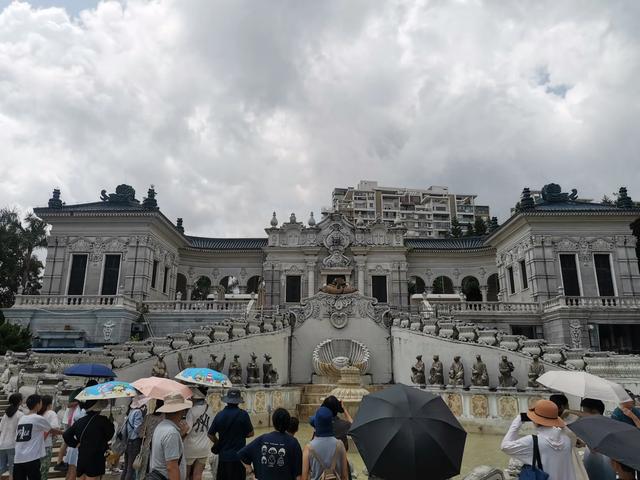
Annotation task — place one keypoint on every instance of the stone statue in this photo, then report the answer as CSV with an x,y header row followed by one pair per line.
x,y
269,374
506,368
253,370
159,368
216,365
436,374
417,372
479,373
338,287
535,370
456,373
235,371
190,363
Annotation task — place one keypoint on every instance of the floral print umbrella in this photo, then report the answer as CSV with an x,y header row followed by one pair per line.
x,y
204,376
108,390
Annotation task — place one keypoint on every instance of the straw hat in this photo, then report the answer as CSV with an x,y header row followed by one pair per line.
x,y
175,402
545,413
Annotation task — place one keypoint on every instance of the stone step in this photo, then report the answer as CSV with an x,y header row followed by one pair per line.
x,y
306,410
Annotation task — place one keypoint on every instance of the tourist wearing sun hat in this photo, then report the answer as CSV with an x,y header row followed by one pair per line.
x,y
554,444
167,450
325,450
133,428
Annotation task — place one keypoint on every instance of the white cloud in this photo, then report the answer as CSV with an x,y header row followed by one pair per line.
x,y
236,109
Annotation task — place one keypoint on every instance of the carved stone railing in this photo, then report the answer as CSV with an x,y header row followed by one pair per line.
x,y
196,305
73,301
622,303
448,308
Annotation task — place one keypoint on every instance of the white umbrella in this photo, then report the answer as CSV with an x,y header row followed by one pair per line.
x,y
584,385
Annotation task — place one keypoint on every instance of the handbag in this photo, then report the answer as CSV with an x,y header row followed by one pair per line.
x,y
119,445
534,471
215,448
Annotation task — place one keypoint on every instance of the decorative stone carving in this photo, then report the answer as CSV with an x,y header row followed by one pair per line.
x,y
467,333
235,371
575,331
436,373
510,342
107,330
269,374
506,368
221,332
531,401
488,337
253,370
260,403
431,326
178,340
479,373
417,372
253,326
553,353
454,402
215,364
238,328
447,330
532,346
507,407
331,355
336,241
456,373
535,370
479,406
575,358
159,368
200,337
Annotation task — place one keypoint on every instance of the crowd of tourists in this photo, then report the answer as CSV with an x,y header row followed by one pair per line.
x,y
174,439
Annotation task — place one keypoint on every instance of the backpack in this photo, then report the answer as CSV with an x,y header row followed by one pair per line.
x,y
328,473
534,471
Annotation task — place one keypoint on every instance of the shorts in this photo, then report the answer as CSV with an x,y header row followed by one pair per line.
x,y
72,456
6,460
202,461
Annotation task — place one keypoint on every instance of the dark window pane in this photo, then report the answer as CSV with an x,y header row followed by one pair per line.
x,y
570,275
165,280
110,275
332,278
512,282
604,274
154,274
77,274
293,290
620,338
493,288
523,273
379,287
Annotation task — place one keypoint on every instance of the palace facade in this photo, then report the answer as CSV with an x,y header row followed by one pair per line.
x,y
559,268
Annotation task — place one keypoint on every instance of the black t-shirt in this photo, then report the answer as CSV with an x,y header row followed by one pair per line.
x,y
232,424
275,456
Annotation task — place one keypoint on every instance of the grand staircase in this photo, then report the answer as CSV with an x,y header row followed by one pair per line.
x,y
313,395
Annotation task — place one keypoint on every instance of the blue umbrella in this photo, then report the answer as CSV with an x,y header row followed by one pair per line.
x,y
89,370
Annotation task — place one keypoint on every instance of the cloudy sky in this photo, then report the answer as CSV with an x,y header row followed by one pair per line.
x,y
236,108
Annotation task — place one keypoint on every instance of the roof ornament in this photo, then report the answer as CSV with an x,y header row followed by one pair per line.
x,y
311,221
150,202
526,200
124,194
54,201
292,218
624,200
179,226
274,220
552,193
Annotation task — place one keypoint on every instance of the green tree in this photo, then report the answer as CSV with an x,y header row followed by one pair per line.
x,y
480,226
469,232
34,235
606,200
13,337
456,229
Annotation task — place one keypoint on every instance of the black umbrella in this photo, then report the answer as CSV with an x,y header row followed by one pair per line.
x,y
612,438
404,432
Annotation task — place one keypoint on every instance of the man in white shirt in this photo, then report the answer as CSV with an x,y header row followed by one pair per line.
x,y
554,445
30,447
197,445
167,450
50,416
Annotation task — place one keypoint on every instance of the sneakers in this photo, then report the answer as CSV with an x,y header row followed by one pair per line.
x,y
61,467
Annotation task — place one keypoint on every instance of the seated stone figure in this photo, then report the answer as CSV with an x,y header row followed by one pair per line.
x,y
456,373
338,286
417,372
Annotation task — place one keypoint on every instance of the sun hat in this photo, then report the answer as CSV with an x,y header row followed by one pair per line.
x,y
175,402
98,406
139,401
322,422
233,396
545,413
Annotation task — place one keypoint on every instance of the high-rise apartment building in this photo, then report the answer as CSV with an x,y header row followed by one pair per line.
x,y
424,212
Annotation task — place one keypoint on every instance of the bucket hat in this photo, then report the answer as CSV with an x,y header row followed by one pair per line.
x,y
233,396
545,413
322,422
175,402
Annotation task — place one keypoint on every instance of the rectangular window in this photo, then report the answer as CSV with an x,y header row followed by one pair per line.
x,y
293,288
569,270
110,275
154,274
77,274
165,280
604,275
512,283
379,287
523,274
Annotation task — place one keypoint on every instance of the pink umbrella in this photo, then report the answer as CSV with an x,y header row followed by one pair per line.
x,y
158,388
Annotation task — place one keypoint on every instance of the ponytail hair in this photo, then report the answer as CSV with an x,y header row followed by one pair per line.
x,y
15,400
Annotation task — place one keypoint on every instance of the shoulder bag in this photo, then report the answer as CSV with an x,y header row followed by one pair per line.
x,y
534,471
215,448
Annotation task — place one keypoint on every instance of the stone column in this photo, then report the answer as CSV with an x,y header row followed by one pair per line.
x,y
361,263
311,277
484,289
189,290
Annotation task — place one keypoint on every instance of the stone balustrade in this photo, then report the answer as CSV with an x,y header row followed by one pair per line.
x,y
623,303
236,305
74,301
449,308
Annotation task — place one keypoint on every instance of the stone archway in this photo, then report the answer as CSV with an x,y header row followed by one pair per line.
x,y
442,284
201,288
416,286
471,289
181,286
253,284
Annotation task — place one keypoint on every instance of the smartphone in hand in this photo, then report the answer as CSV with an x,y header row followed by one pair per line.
x,y
524,418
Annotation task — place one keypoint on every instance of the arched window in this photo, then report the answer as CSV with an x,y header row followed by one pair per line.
x,y
471,289
442,284
181,286
225,283
253,283
493,288
416,286
201,288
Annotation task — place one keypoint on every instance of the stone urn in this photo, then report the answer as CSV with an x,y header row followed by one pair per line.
x,y
253,326
467,333
141,352
447,330
160,345
178,340
238,328
488,337
221,332
575,358
430,326
200,337
554,353
510,342
267,324
532,346
278,321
